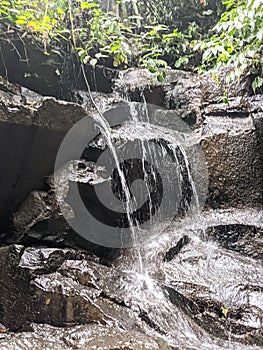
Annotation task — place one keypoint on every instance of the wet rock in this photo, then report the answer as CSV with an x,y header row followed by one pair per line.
x,y
179,92
231,143
172,252
83,337
49,75
36,208
31,131
65,288
214,86
27,135
209,284
34,290
217,319
184,92
216,288
235,171
40,219
258,121
15,294
231,306
244,239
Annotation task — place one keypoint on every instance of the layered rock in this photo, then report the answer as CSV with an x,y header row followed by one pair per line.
x,y
31,131
210,287
66,288
231,131
205,280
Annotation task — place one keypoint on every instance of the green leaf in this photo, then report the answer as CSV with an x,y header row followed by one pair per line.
x,y
116,61
87,5
257,83
160,78
20,21
152,69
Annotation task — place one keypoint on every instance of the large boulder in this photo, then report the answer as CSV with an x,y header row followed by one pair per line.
x,y
31,131
232,141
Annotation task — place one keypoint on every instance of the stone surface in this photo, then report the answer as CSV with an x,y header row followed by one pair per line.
x,y
208,287
33,288
198,285
65,288
40,219
180,91
230,307
231,140
48,74
184,92
83,337
235,170
31,131
244,239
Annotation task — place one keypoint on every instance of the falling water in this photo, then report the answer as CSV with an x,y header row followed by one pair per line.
x,y
105,130
145,289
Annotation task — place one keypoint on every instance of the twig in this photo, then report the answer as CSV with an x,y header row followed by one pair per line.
x,y
71,23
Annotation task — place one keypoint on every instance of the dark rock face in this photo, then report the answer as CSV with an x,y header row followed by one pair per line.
x,y
184,92
231,132
50,75
180,92
246,240
233,161
38,293
232,143
16,280
176,250
28,133
258,122
232,135
31,131
39,220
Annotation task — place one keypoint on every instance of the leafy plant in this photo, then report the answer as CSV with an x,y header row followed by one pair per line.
x,y
146,33
120,38
237,42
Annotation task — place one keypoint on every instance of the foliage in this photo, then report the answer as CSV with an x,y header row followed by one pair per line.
x,y
42,19
147,33
115,37
179,13
237,42
184,21
96,35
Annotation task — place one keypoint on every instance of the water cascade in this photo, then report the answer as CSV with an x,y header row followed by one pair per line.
x,y
122,248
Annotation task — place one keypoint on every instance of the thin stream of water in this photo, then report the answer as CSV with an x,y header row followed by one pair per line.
x,y
105,130
143,287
